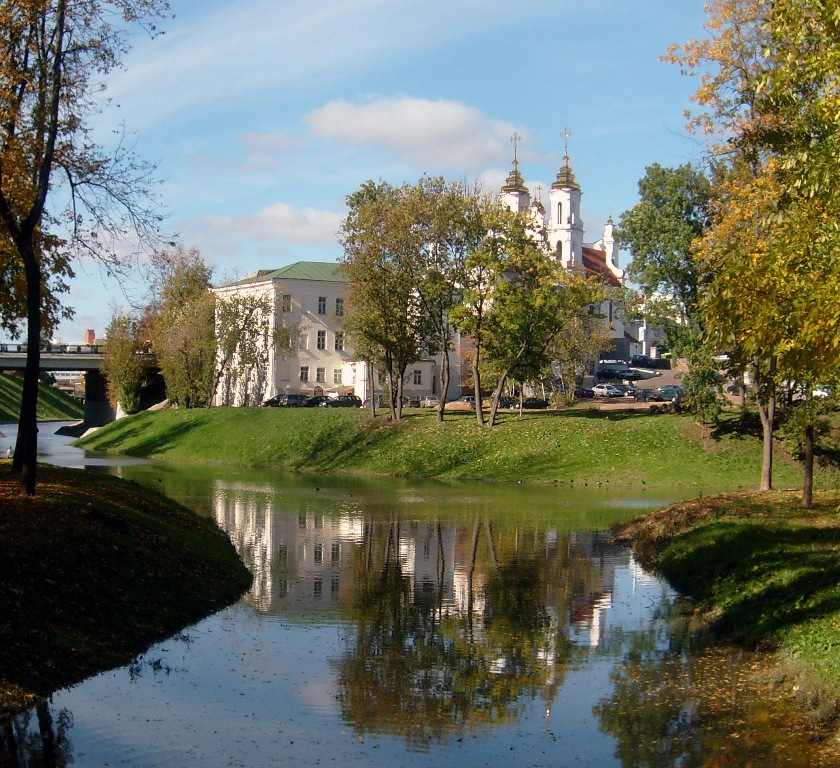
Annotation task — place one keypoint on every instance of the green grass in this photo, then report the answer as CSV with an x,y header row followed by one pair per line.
x,y
53,404
94,570
764,572
585,446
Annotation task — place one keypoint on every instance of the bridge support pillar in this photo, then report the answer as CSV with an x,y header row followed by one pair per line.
x,y
98,410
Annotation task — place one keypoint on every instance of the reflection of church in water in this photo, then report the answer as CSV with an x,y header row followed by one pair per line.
x,y
307,561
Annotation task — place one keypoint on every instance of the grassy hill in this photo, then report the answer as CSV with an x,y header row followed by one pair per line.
x,y
52,403
579,446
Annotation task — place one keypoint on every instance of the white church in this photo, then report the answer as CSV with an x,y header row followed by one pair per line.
x,y
311,295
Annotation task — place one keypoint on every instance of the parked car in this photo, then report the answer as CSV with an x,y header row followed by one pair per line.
x,y
643,361
584,393
285,401
632,375
627,390
314,401
606,390
608,374
430,401
647,395
671,392
534,403
411,402
508,402
342,401
469,399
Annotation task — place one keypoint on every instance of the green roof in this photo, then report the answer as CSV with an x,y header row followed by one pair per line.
x,y
324,271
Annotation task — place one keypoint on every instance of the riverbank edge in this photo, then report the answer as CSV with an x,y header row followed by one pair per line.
x,y
575,447
95,570
735,556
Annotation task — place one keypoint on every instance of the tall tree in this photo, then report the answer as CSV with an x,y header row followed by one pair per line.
x,y
385,317
769,96
123,365
535,301
182,329
53,177
673,210
449,224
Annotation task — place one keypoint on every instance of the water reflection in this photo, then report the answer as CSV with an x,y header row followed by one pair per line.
x,y
394,623
454,627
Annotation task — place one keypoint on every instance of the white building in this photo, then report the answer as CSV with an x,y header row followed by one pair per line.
x,y
310,296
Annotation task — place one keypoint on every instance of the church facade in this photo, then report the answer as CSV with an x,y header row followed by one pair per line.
x,y
561,230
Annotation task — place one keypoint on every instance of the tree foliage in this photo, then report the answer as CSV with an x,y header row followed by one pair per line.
x,y
123,363
60,194
385,318
768,94
182,331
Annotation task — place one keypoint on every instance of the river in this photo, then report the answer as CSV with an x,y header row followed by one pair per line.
x,y
397,623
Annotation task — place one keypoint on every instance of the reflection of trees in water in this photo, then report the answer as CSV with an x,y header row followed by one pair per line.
x,y
703,708
427,665
42,743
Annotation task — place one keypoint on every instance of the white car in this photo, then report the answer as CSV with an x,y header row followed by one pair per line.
x,y
606,390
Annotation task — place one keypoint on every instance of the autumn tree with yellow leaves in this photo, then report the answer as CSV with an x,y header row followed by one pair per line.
x,y
61,195
769,107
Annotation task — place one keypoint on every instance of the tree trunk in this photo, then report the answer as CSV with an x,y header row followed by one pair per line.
x,y
26,449
479,414
445,378
494,405
371,390
767,413
808,488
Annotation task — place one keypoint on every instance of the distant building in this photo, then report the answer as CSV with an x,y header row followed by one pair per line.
x,y
561,230
312,296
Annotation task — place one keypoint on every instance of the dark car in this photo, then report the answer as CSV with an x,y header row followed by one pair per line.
x,y
534,403
314,401
628,390
583,393
284,401
647,395
342,401
508,402
671,392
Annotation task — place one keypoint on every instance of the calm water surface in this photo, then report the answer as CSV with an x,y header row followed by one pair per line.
x,y
406,624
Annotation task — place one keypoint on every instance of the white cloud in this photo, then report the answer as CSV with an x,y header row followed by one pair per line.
x,y
436,135
279,222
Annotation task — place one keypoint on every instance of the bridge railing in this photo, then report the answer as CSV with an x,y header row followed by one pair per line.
x,y
66,349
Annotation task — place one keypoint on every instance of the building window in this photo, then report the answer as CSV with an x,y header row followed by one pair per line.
x,y
286,303
321,375
339,307
339,341
418,377
318,554
336,375
322,340
303,341
304,373
322,305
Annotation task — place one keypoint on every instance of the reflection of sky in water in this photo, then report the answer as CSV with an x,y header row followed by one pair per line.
x,y
259,683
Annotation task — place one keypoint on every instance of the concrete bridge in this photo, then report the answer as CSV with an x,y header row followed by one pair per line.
x,y
73,357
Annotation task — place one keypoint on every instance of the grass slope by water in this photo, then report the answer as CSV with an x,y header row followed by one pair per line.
x,y
94,570
627,448
764,572
53,404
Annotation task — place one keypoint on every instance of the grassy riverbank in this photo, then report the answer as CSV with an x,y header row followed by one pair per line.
x,y
53,404
764,572
94,570
615,448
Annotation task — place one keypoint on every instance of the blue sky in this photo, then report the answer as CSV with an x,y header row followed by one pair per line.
x,y
262,115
